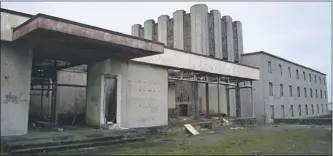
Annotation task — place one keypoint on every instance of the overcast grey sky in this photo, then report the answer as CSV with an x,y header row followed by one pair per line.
x,y
297,31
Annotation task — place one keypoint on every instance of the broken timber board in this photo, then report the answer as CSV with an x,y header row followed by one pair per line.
x,y
191,129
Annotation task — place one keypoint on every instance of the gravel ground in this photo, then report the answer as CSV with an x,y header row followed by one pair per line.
x,y
260,140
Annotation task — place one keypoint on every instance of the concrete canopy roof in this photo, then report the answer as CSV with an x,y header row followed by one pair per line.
x,y
60,39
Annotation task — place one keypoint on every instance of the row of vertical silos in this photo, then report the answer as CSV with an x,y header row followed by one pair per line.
x,y
199,31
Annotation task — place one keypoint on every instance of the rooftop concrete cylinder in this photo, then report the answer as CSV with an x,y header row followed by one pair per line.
x,y
217,33
136,30
238,39
163,29
227,38
199,29
149,29
178,29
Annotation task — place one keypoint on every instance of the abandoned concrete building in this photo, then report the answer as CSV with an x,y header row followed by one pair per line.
x,y
207,33
61,72
66,73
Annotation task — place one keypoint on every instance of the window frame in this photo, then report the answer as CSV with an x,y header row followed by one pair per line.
x,y
269,65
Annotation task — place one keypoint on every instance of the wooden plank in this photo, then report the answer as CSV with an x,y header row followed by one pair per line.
x,y
191,129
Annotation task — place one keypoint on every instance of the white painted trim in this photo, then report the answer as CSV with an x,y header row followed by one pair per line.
x,y
102,120
118,113
173,58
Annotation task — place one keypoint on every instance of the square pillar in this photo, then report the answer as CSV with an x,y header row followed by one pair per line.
x,y
16,64
94,112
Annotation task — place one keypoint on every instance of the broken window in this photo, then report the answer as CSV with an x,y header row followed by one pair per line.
x,y
280,67
298,92
299,110
316,94
269,67
270,89
312,109
310,77
315,78
304,75
311,92
319,80
322,108
317,108
292,110
297,75
283,115
272,112
289,71
306,110
290,91
281,90
321,94
305,93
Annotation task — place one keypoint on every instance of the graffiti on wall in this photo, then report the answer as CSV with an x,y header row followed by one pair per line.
x,y
12,98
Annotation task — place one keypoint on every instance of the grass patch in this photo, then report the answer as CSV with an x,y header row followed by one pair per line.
x,y
265,143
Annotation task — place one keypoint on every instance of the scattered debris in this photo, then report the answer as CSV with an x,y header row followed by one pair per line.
x,y
226,122
191,129
236,128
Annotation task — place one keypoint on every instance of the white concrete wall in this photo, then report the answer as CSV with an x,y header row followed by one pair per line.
x,y
178,59
9,21
143,97
265,100
259,105
71,99
16,61
94,91
147,96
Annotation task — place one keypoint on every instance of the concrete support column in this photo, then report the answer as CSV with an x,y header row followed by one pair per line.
x,y
16,64
149,29
217,33
178,29
94,92
238,102
238,39
199,29
136,30
227,38
163,29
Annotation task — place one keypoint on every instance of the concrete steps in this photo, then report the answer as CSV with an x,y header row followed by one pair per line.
x,y
67,145
44,143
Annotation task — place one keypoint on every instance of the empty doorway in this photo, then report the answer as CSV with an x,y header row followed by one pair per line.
x,y
110,92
